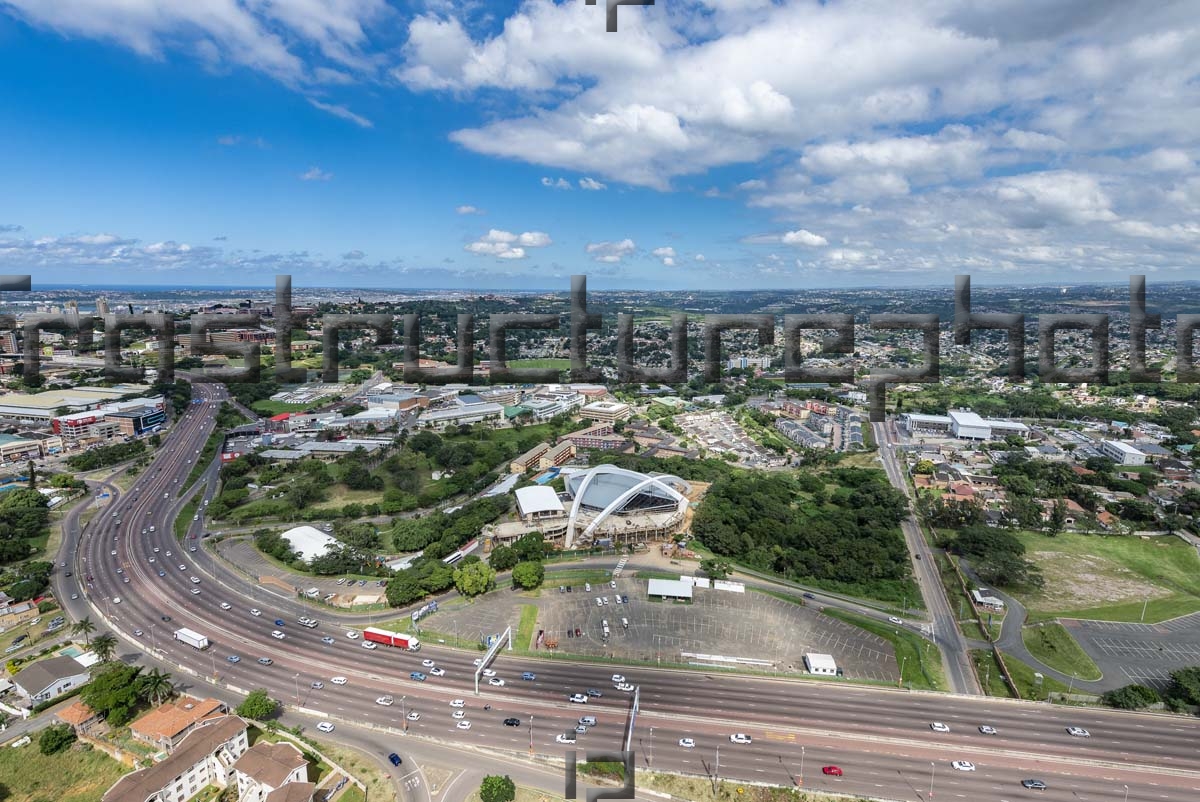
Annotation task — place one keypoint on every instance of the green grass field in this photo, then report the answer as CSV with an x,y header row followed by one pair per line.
x,y
524,638
76,775
1053,645
1111,577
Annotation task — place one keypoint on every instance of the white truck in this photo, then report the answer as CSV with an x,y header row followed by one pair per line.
x,y
191,638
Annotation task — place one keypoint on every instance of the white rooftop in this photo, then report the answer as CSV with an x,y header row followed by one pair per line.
x,y
820,662
1124,448
967,418
538,499
308,541
672,588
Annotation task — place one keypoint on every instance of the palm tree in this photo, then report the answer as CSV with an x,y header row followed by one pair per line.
x,y
157,686
105,647
84,627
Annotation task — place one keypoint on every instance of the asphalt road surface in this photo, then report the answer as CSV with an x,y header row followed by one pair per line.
x,y
880,738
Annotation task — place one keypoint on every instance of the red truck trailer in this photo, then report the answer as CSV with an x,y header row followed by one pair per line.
x,y
389,638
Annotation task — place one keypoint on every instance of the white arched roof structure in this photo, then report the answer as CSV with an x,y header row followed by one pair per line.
x,y
626,484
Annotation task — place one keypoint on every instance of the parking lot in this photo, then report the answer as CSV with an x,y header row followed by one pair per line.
x,y
749,626
1141,653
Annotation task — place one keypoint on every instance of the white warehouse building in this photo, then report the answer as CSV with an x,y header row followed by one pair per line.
x,y
1122,453
963,424
822,664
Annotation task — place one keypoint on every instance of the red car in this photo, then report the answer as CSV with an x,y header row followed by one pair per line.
x,y
832,771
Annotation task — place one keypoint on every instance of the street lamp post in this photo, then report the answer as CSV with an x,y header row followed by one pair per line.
x,y
651,762
1071,687
1144,603
296,679
1127,793
531,733
154,638
717,770
903,661
801,766
932,768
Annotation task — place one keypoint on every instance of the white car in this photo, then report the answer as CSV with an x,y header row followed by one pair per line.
x,y
478,661
226,606
156,549
963,765
458,714
338,680
352,635
277,635
687,743
565,739
369,644
457,703
740,738
414,716
195,580
437,672
195,591
499,683
938,726
894,620
113,552
385,701
1079,732
464,725
624,686
488,672
427,663
618,677
987,730
116,599
254,611
325,726
579,698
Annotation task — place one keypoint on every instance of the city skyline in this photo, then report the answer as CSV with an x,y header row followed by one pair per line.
x,y
507,146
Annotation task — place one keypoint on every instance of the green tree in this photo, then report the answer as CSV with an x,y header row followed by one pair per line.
x,y
503,558
157,686
495,788
474,578
528,575
105,646
113,692
1131,697
84,627
716,567
55,739
1185,686
258,706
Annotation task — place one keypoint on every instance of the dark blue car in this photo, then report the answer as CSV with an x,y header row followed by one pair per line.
x,y
394,758
417,675
529,676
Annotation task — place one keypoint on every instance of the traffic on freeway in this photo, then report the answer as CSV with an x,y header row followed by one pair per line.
x,y
149,586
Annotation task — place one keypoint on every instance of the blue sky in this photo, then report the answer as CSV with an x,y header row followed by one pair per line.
x,y
509,145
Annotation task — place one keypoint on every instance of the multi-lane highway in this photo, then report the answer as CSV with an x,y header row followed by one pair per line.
x,y
881,739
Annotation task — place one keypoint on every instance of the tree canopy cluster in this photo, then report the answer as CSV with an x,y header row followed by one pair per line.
x,y
24,514
104,456
997,556
850,536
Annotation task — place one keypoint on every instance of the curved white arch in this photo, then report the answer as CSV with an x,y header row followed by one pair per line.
x,y
641,481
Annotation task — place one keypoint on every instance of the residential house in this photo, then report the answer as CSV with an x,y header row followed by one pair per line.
x,y
206,756
267,768
79,717
168,724
50,678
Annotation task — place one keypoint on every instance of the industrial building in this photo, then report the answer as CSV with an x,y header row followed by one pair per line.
x,y
1122,453
607,411
963,424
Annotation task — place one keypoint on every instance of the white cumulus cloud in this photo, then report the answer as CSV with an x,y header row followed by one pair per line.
x,y
507,245
611,252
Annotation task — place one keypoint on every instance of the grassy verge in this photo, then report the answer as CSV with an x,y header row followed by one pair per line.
x,y
959,601
577,577
1054,646
185,515
991,678
80,774
524,637
920,661
207,454
1022,674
